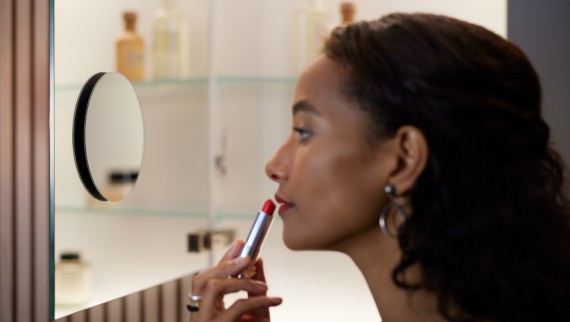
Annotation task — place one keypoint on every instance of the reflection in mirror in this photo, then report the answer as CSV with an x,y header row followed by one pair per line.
x,y
108,136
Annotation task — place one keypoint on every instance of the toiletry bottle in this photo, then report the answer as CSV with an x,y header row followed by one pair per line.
x,y
130,50
121,183
170,42
72,280
347,13
313,26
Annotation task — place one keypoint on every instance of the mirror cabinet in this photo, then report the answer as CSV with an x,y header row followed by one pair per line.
x,y
207,134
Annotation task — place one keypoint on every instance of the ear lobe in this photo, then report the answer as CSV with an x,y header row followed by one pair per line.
x,y
412,153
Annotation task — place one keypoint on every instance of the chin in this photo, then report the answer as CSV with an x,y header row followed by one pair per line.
x,y
296,242
292,244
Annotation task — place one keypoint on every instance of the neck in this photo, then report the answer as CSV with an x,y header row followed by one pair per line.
x,y
376,255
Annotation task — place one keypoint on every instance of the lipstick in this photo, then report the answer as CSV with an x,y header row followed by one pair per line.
x,y
256,236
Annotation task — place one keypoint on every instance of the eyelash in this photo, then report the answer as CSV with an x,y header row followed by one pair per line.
x,y
304,134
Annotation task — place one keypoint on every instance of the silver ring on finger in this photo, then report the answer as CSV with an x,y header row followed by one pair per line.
x,y
193,304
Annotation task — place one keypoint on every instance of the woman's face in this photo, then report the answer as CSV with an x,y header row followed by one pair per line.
x,y
331,174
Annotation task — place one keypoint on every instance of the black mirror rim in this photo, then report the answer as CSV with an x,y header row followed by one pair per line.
x,y
79,149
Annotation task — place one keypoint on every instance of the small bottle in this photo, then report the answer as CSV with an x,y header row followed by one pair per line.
x,y
313,26
347,13
118,186
121,183
170,42
72,280
130,50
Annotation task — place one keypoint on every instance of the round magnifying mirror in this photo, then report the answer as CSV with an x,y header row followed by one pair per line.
x,y
108,136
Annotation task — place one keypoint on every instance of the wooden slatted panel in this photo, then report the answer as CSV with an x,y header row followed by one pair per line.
x,y
6,162
23,162
24,166
170,302
184,288
96,313
114,311
133,308
41,161
80,316
151,305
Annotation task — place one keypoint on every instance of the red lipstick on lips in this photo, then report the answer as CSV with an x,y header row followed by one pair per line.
x,y
284,205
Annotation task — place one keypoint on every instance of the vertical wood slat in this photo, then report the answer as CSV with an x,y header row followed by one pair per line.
x,y
170,301
41,160
151,305
80,316
184,288
96,314
6,162
114,310
133,308
23,162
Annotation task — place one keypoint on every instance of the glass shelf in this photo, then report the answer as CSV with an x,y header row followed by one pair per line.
x,y
195,80
131,211
154,213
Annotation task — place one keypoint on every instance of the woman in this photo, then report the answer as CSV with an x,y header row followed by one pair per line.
x,y
419,150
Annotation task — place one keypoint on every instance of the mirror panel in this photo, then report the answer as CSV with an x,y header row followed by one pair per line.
x,y
253,88
140,241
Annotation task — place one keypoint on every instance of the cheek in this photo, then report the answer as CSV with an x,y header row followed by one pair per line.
x,y
338,194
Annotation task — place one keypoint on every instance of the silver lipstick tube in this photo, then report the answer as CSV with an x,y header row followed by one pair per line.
x,y
255,240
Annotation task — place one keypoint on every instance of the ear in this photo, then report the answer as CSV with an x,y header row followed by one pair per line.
x,y
412,153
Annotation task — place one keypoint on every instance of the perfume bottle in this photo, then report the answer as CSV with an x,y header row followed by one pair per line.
x,y
72,280
130,50
347,13
170,42
313,26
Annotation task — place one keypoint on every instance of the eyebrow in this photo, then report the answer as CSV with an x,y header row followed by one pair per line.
x,y
304,106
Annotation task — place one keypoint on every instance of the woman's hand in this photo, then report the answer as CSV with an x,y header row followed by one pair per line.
x,y
218,281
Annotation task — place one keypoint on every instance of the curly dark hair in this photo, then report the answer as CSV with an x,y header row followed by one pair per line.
x,y
490,227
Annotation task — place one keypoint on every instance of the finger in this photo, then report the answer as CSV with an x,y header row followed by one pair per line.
x,y
260,276
243,306
217,288
221,271
233,251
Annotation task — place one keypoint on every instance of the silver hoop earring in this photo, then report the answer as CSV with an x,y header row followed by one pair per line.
x,y
391,191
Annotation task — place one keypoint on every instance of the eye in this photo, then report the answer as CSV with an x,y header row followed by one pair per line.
x,y
303,134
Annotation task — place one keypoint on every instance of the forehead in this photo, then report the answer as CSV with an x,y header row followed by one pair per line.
x,y
321,79
320,88
321,85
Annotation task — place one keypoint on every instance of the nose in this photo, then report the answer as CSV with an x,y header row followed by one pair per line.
x,y
277,168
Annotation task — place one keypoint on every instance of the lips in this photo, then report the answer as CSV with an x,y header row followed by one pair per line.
x,y
284,205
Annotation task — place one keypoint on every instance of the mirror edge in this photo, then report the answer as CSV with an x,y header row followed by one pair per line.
x,y
51,233
79,149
